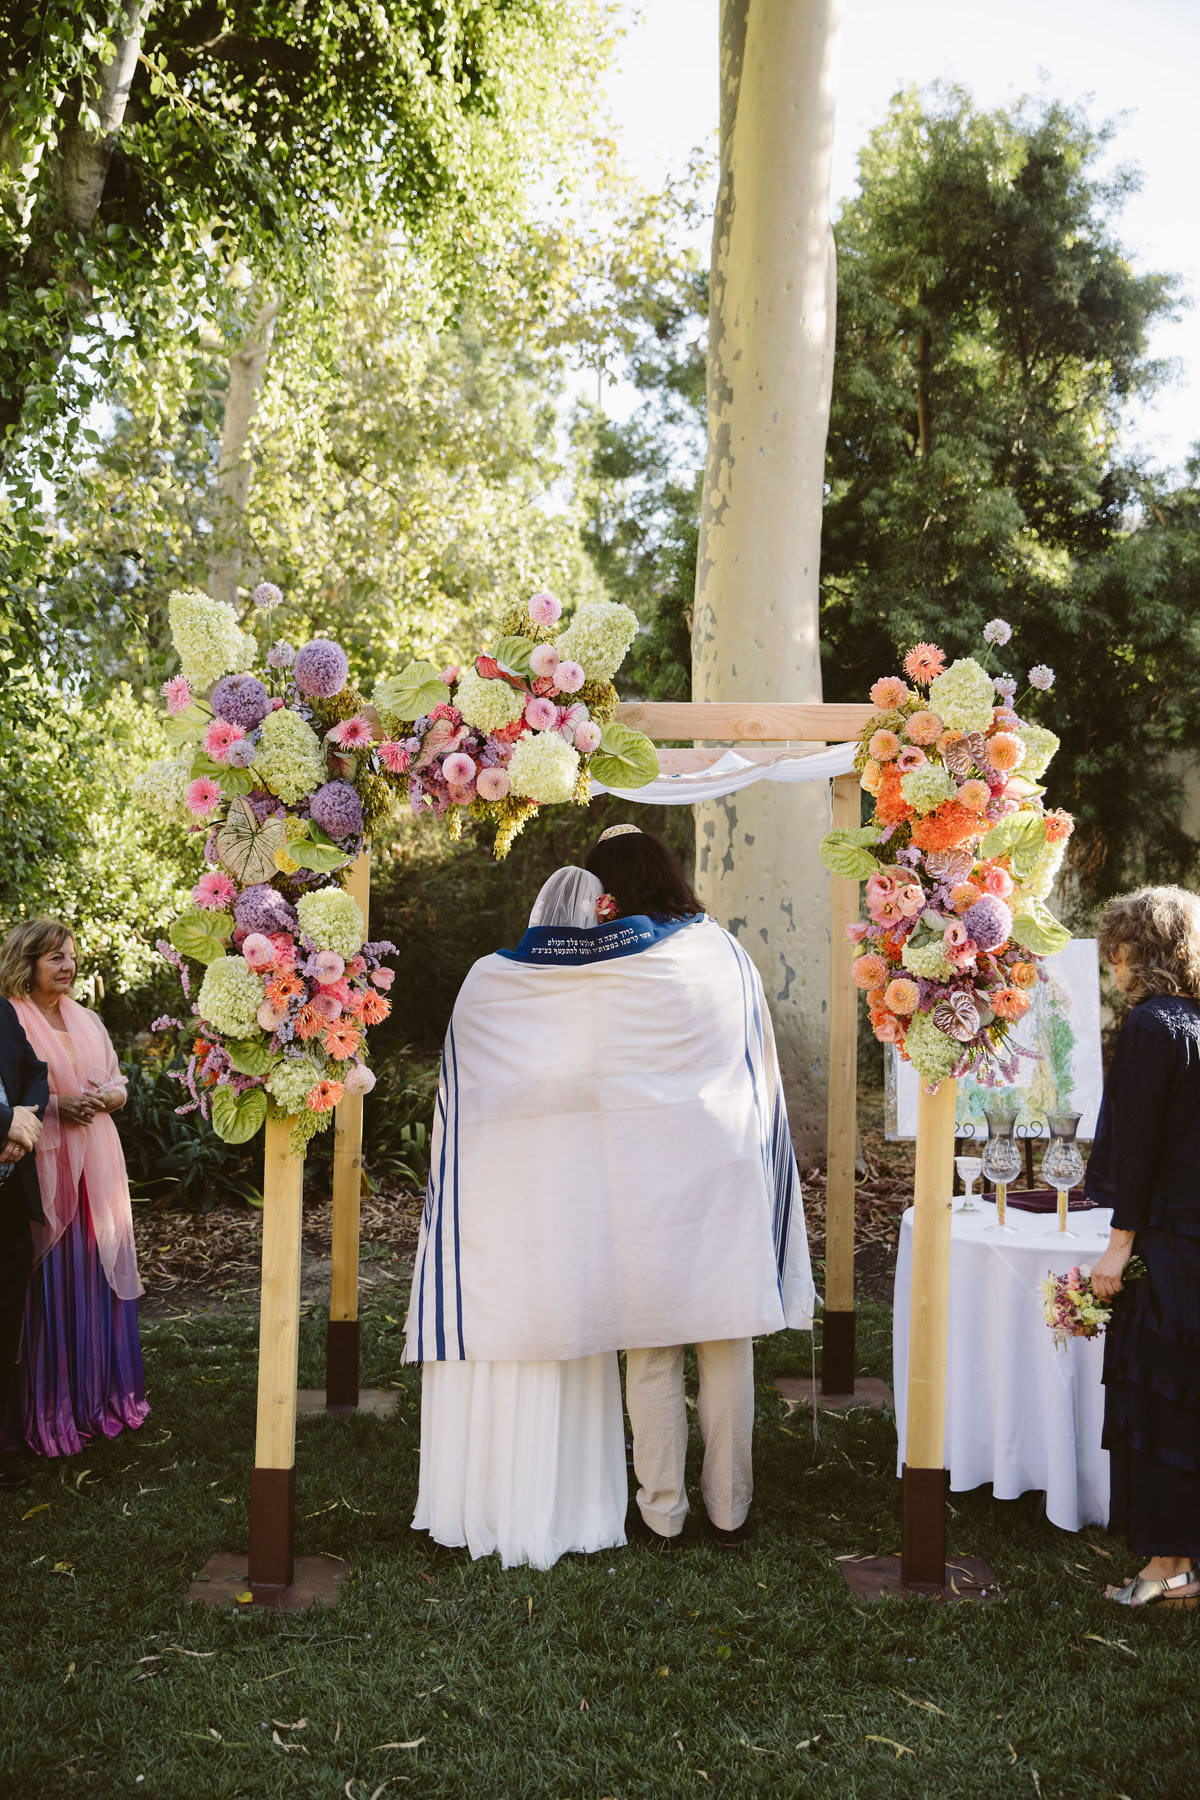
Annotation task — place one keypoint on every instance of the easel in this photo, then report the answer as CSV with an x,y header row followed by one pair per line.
x,y
275,1577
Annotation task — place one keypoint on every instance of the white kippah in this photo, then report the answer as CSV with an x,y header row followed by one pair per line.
x,y
618,831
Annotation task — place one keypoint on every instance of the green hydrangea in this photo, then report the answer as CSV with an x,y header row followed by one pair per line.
x,y
289,759
598,637
1044,873
230,996
928,960
333,919
544,768
161,785
963,697
487,704
292,1080
927,787
1040,746
931,1053
207,638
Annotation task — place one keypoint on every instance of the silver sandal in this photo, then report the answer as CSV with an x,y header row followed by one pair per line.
x,y
1139,1592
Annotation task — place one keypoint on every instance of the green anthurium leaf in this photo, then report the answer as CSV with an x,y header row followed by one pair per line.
x,y
625,759
202,935
251,1056
845,852
514,653
230,781
320,857
416,690
236,1117
1037,929
246,848
1017,828
188,727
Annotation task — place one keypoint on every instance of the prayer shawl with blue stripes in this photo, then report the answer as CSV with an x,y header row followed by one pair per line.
x,y
611,1165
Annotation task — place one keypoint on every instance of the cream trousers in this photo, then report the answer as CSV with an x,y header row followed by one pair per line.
x,y
654,1397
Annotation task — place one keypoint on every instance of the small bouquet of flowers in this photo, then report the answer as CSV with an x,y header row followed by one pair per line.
x,y
1072,1310
958,859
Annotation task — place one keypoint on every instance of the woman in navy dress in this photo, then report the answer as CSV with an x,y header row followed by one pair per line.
x,y
1145,1164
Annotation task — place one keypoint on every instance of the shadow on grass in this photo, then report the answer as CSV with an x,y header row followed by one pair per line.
x,y
620,1675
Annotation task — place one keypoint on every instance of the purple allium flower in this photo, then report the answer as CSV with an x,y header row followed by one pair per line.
x,y
241,700
1005,686
997,631
989,923
1041,676
240,754
267,594
263,908
337,809
281,655
320,669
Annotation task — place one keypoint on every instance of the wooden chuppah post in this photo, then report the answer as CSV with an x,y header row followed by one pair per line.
x,y
923,1490
837,1321
342,1333
273,1479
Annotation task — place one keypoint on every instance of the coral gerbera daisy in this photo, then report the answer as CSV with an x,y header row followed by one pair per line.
x,y
924,663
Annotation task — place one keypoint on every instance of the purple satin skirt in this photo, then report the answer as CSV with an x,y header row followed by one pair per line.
x,y
80,1373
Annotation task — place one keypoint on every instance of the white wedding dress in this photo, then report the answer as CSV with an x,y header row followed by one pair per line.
x,y
526,1459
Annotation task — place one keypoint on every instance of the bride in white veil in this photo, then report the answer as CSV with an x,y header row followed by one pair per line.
x,y
526,1458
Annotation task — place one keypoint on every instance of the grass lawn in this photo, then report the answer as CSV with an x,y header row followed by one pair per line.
x,y
621,1675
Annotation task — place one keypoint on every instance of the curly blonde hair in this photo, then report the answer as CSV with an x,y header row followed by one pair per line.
x,y
21,949
1158,929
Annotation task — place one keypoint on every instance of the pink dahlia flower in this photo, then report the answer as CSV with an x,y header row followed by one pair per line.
x,y
269,1017
214,891
328,966
888,693
352,734
258,950
359,1080
570,677
545,660
203,796
544,609
490,784
178,694
587,737
458,769
327,1007
541,714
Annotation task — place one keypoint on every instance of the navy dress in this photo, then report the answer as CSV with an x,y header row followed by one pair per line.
x,y
1145,1164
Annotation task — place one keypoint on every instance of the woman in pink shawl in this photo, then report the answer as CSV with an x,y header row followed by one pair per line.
x,y
81,1361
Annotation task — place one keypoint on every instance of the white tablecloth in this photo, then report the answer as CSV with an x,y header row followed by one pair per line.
x,y
1019,1412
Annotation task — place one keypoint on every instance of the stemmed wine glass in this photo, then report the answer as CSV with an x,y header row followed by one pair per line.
x,y
1062,1165
1001,1158
969,1167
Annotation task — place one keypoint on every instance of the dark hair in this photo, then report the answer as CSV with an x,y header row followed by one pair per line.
x,y
643,876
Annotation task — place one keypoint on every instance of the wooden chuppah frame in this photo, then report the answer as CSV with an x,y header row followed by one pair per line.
x,y
273,1574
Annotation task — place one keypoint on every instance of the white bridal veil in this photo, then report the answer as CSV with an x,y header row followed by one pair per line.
x,y
568,898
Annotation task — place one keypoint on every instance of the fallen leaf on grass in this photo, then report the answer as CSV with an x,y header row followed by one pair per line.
x,y
410,1745
83,1475
44,1507
200,1655
277,1740
926,1704
900,1749
1111,1643
662,1671
807,1743
244,1599
69,1674
300,1725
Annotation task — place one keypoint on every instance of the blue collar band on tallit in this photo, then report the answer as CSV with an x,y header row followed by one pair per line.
x,y
567,946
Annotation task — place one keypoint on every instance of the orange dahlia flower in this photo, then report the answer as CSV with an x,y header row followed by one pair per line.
x,y
923,663
869,971
1008,1003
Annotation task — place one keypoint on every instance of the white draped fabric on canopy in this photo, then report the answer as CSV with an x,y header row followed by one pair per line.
x,y
731,772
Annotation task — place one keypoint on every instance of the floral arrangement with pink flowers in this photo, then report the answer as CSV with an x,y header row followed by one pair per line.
x,y
285,774
1072,1310
521,726
958,859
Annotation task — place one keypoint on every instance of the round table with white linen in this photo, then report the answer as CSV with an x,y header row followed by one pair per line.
x,y
1019,1412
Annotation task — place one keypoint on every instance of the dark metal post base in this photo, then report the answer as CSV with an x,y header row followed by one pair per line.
x,y
272,1527
923,1525
341,1362
837,1353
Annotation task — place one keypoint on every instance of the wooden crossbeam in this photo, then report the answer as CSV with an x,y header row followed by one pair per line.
x,y
741,722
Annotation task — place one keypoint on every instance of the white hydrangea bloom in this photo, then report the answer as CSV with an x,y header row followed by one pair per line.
x,y
963,696
230,996
207,638
485,703
161,785
333,919
292,1080
1040,746
544,768
931,1053
289,757
598,637
926,960
927,787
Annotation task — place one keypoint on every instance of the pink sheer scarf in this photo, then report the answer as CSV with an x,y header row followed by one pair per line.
x,y
70,1154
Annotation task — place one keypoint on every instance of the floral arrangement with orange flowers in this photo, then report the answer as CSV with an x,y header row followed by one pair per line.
x,y
958,860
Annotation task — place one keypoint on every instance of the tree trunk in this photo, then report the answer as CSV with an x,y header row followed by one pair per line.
x,y
770,371
247,367
81,169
